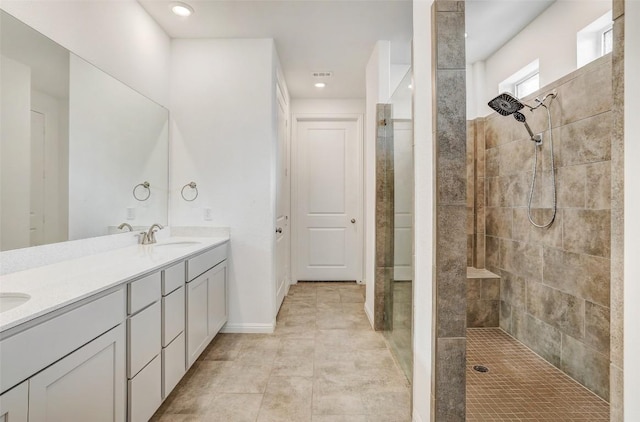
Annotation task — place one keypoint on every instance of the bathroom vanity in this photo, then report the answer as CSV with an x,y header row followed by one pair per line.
x,y
107,337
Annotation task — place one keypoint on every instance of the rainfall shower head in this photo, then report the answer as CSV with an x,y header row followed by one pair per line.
x,y
506,104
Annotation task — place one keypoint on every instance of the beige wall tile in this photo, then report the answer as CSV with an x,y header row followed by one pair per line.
x,y
598,192
588,95
558,309
581,275
586,365
586,141
587,231
571,186
596,327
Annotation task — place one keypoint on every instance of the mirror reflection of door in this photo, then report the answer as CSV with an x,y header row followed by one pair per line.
x,y
36,213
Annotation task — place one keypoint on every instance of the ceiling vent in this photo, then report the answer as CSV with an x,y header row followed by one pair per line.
x,y
322,74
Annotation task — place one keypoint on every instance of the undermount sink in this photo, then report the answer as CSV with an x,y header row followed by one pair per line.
x,y
12,300
177,244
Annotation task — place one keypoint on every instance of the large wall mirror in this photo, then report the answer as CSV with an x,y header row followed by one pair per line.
x,y
80,151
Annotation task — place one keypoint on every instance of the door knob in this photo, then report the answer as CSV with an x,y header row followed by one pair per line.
x,y
353,220
279,230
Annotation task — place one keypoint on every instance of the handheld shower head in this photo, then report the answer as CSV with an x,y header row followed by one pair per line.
x,y
519,117
506,104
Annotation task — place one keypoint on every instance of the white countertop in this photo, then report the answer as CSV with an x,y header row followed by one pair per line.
x,y
54,286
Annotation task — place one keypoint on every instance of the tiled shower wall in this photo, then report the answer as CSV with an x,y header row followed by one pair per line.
x,y
555,281
475,193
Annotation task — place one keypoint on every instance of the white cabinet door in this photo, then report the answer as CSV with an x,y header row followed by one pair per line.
x,y
87,385
217,310
197,316
206,309
14,404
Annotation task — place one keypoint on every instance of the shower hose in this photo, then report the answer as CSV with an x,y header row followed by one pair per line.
x,y
553,174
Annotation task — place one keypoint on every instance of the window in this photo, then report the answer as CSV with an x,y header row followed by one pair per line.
x,y
528,85
607,41
594,40
524,82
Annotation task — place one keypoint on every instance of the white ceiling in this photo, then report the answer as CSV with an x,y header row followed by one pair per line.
x,y
316,35
491,23
338,35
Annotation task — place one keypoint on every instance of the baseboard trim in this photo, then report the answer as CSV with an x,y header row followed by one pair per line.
x,y
369,315
249,328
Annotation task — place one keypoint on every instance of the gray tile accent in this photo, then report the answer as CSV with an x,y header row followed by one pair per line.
x,y
383,300
449,74
450,379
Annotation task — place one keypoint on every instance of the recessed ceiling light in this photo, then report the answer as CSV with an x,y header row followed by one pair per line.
x,y
410,86
181,9
320,84
466,35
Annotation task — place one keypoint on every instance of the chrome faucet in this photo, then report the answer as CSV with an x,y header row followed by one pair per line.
x,y
149,237
127,225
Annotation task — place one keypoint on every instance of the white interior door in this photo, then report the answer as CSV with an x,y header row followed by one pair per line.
x,y
282,204
329,200
36,215
403,201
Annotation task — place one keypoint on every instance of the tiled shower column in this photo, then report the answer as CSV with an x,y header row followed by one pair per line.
x,y
451,243
383,306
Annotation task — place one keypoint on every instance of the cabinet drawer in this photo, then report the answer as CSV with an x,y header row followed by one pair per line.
x,y
143,292
173,365
144,340
172,278
172,316
21,357
145,392
201,263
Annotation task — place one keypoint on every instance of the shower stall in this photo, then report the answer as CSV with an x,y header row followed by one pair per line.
x,y
539,255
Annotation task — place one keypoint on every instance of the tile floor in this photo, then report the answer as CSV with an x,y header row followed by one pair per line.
x,y
521,386
324,363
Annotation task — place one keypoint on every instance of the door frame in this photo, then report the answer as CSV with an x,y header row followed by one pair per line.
x,y
307,117
281,101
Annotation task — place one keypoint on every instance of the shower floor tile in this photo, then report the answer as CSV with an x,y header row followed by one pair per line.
x,y
521,386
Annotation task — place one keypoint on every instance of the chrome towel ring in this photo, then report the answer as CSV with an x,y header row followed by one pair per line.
x,y
194,187
144,185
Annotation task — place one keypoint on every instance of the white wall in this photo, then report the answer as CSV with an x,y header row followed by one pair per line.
x,y
15,153
117,36
378,90
423,211
551,38
223,138
631,211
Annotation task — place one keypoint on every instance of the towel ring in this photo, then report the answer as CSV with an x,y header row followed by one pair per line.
x,y
191,185
146,186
